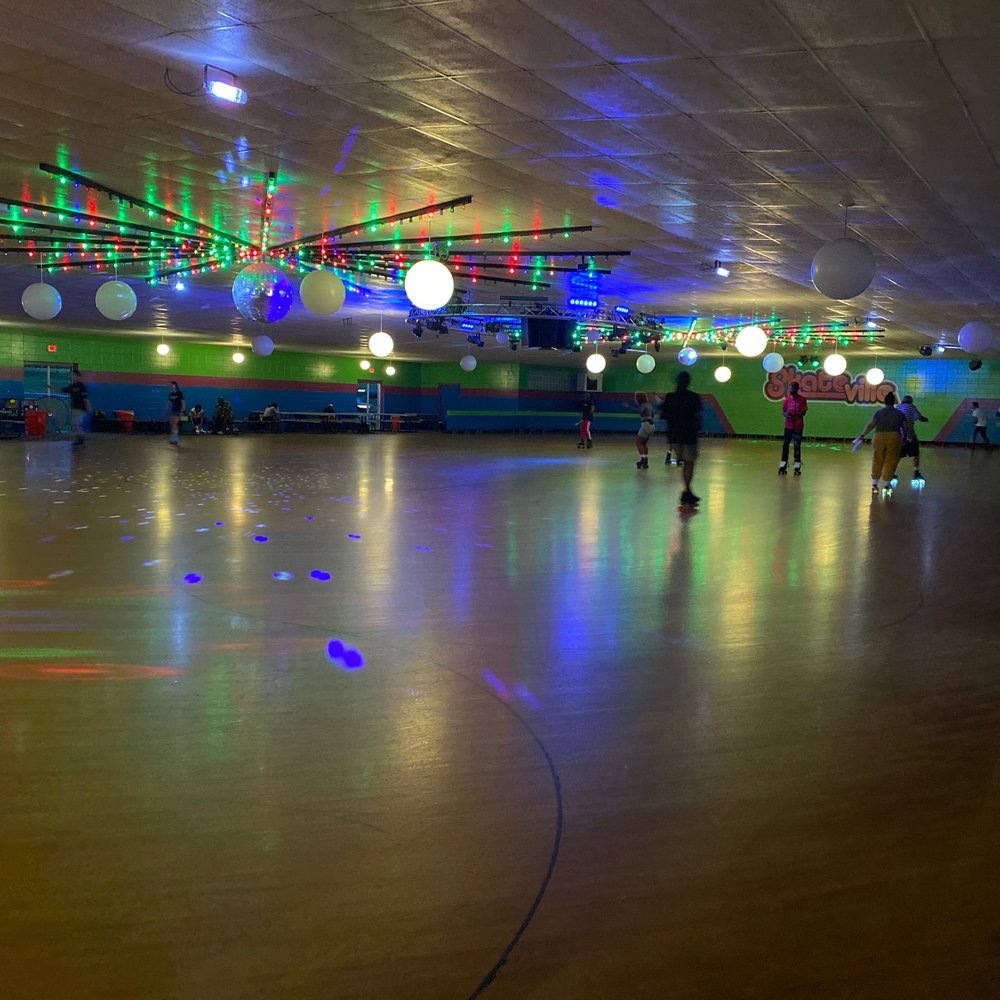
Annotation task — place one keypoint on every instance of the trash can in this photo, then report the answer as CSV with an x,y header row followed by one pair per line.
x,y
34,422
125,418
396,421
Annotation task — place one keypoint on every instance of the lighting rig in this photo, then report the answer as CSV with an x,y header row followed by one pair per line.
x,y
163,244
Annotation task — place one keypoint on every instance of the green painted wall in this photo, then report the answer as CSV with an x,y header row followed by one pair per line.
x,y
939,386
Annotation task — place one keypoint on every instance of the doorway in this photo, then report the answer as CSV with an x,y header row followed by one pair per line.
x,y
43,385
369,403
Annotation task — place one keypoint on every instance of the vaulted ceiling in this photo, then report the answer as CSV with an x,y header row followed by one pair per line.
x,y
684,131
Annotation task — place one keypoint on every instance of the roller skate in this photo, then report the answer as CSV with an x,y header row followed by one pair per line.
x,y
689,503
798,469
643,463
783,469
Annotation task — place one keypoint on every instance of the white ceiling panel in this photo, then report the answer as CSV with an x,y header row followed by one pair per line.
x,y
727,27
787,81
633,34
850,22
692,85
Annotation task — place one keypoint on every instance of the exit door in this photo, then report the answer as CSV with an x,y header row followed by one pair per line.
x,y
43,385
369,403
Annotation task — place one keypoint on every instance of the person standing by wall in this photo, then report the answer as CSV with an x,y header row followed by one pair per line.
x,y
890,427
79,406
911,446
586,419
682,411
646,429
979,422
176,403
794,407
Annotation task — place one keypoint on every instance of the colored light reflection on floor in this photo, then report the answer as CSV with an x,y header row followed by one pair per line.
x,y
344,656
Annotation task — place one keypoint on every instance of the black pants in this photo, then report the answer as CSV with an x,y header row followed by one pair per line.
x,y
980,432
795,437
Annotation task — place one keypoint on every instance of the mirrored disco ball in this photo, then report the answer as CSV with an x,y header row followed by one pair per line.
x,y
263,293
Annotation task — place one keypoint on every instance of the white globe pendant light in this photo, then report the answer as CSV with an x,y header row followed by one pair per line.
x,y
596,363
262,345
687,356
723,374
115,300
429,284
645,363
875,376
162,349
973,338
381,344
41,301
842,269
322,292
751,341
238,357
835,364
772,362
468,363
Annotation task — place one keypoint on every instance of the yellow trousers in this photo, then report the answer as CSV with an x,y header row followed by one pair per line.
x,y
885,454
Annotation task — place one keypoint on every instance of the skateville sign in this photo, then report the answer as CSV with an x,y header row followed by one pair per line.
x,y
818,387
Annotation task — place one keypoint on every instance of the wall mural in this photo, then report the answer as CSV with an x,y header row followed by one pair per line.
x,y
818,387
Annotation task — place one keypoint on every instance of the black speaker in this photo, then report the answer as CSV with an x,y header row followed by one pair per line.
x,y
544,332
926,351
975,364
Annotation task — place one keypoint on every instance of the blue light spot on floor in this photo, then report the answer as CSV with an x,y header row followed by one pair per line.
x,y
308,517
219,524
127,538
192,578
320,574
343,656
260,538
356,538
283,575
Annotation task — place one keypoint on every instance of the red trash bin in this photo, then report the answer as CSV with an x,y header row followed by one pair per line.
x,y
34,422
125,418
395,421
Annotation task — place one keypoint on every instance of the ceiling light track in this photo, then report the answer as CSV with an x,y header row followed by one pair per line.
x,y
133,202
438,208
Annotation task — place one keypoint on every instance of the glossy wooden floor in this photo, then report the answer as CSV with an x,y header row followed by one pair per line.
x,y
566,744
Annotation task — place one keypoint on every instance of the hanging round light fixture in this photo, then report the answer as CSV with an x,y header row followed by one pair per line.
x,y
875,376
974,337
322,292
835,364
645,363
842,269
115,300
262,345
381,344
429,284
751,341
596,363
162,349
468,363
687,356
390,370
723,374
41,301
772,362
238,357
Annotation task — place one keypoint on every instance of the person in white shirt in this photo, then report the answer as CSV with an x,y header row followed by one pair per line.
x,y
911,446
979,422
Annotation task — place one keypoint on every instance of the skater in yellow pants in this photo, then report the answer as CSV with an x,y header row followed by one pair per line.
x,y
890,426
